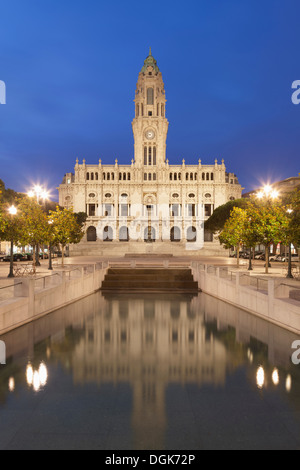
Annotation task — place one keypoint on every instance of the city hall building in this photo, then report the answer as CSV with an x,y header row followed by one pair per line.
x,y
148,205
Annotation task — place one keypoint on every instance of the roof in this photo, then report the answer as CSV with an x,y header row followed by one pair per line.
x,y
150,61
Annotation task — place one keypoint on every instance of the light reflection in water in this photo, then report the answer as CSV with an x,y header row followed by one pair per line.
x,y
36,378
11,384
275,377
260,377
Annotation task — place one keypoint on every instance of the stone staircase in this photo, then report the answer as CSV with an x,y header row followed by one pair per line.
x,y
150,280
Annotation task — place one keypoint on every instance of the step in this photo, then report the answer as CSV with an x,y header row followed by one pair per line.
x,y
174,277
141,284
149,279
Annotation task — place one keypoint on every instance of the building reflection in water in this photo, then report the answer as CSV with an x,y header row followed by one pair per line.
x,y
151,343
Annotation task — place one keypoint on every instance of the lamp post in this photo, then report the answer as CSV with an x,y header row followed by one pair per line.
x,y
12,211
50,222
289,274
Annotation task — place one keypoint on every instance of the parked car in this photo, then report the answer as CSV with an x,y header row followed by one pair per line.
x,y
260,256
281,257
16,257
59,254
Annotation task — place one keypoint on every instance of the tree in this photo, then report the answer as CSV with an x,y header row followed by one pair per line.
x,y
294,227
221,214
8,196
34,224
233,230
269,225
66,228
10,230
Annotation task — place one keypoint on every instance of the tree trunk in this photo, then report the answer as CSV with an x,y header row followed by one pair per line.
x,y
238,256
62,255
267,259
33,259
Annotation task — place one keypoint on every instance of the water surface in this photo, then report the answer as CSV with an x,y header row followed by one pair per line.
x,y
149,372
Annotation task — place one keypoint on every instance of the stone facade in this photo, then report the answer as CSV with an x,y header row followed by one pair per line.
x,y
148,205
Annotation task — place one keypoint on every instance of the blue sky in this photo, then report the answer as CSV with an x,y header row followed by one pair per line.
x,y
71,68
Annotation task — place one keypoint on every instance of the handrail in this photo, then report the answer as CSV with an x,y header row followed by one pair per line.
x,y
12,285
292,286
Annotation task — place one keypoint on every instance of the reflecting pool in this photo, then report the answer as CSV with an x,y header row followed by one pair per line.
x,y
149,372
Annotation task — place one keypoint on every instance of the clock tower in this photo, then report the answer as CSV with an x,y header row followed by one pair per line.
x,y
150,125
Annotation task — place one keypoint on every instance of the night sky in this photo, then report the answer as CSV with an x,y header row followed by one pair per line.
x,y
71,67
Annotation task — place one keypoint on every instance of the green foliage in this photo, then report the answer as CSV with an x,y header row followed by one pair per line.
x,y
10,225
33,222
232,233
221,214
64,228
8,196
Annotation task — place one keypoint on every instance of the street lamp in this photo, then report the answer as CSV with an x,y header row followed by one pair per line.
x,y
50,222
289,274
12,211
38,192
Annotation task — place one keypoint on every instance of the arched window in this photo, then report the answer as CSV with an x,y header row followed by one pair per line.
x,y
175,234
91,234
191,234
150,95
162,110
203,176
154,155
96,175
87,176
137,110
212,176
145,155
92,176
207,176
128,176
108,176
107,234
124,234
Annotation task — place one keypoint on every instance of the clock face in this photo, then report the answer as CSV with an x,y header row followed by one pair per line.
x,y
149,134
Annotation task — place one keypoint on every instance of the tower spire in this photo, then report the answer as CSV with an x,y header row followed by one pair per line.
x,y
150,50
